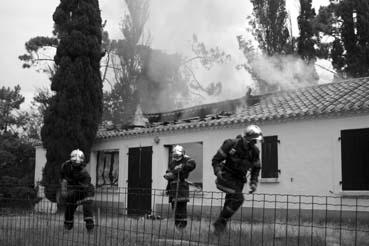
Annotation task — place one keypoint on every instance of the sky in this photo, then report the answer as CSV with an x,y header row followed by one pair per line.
x,y
171,23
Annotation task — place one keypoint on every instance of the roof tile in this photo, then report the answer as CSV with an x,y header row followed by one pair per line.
x,y
346,96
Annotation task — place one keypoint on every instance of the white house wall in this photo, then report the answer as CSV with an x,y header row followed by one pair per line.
x,y
40,163
309,154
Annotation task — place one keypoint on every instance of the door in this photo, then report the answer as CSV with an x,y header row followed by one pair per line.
x,y
355,159
139,180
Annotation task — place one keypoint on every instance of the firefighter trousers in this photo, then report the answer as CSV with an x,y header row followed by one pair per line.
x,y
180,216
231,204
72,201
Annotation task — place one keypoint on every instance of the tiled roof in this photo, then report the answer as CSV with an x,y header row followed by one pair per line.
x,y
314,101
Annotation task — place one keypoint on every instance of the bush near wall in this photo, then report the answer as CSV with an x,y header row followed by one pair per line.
x,y
15,194
17,168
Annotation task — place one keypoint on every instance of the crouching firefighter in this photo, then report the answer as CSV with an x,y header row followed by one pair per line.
x,y
76,189
178,189
231,163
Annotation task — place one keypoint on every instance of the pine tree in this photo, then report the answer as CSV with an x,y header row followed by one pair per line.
x,y
72,118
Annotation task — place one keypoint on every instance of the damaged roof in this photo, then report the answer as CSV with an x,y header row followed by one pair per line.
x,y
348,96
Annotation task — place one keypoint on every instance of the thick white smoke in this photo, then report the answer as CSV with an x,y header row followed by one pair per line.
x,y
285,72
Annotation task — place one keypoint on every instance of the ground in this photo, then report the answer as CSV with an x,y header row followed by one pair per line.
x,y
39,229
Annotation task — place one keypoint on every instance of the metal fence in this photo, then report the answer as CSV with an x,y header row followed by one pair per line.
x,y
144,217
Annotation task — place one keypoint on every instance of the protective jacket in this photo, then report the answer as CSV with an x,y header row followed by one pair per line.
x,y
177,188
77,180
234,159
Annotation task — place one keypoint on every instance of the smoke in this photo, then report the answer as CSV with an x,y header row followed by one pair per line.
x,y
284,72
217,23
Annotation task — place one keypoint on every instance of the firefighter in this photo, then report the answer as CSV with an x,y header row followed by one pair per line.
x,y
177,188
76,189
231,163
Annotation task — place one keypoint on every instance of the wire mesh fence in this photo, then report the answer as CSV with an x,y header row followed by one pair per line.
x,y
125,216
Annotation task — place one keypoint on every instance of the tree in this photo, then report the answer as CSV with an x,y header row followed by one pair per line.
x,y
347,23
39,54
135,66
74,112
121,102
16,153
35,115
306,40
280,61
10,116
17,168
270,27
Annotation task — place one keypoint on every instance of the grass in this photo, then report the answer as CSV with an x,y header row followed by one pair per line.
x,y
47,229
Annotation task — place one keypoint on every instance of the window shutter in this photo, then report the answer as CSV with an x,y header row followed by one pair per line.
x,y
269,155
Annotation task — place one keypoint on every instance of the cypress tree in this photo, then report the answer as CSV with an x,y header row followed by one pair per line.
x,y
72,118
306,42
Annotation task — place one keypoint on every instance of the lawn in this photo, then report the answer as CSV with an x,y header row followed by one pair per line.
x,y
36,229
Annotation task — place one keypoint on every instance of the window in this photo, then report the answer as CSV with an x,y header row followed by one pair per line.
x,y
194,150
107,168
269,157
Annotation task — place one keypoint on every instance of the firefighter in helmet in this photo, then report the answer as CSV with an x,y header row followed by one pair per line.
x,y
76,189
231,163
178,189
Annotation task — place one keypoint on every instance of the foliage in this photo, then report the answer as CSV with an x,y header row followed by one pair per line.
x,y
35,114
39,54
121,102
17,154
270,27
306,41
10,116
347,23
280,61
17,166
74,112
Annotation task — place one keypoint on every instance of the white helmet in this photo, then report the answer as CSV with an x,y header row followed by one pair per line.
x,y
77,157
253,132
178,152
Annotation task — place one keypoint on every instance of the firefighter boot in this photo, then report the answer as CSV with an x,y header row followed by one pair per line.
x,y
68,225
89,225
220,225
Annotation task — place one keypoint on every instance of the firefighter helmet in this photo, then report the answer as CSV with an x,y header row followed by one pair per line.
x,y
178,152
253,132
77,157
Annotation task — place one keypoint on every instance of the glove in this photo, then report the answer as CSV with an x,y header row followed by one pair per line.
x,y
219,174
252,188
169,176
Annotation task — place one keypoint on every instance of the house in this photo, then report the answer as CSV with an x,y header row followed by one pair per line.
x,y
316,142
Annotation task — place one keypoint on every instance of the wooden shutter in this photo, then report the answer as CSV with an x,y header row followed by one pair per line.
x,y
269,155
355,159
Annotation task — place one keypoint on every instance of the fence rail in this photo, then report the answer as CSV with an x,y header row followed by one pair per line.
x,y
144,217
